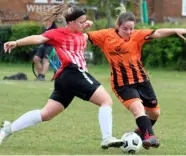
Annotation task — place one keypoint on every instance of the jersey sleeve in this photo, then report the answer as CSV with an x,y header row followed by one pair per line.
x,y
143,35
97,37
50,34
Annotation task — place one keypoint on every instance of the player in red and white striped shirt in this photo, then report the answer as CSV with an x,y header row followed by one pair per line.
x,y
71,80
69,46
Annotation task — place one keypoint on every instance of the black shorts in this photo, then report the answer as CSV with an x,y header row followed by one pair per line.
x,y
143,91
43,51
72,82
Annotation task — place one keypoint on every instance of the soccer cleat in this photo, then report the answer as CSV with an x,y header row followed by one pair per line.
x,y
151,141
111,142
40,77
5,130
138,132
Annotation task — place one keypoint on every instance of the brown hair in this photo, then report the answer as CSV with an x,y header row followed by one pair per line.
x,y
124,16
63,13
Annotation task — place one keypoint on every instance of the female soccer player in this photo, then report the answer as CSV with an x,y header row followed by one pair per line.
x,y
72,79
129,81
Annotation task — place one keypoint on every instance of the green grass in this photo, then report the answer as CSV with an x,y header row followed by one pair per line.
x,y
76,131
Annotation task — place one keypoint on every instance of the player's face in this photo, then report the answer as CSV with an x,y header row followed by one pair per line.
x,y
78,24
126,28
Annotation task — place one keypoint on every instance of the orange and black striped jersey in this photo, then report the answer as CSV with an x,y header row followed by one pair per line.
x,y
123,55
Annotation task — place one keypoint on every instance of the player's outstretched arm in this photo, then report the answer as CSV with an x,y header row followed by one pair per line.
x,y
160,33
30,40
87,24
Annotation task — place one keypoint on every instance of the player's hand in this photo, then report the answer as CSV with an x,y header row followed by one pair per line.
x,y
88,23
181,36
180,33
8,46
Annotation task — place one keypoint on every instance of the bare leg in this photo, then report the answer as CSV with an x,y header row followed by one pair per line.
x,y
144,124
137,109
38,66
45,66
51,109
153,114
103,99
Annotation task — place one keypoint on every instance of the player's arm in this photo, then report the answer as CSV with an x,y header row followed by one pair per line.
x,y
97,37
160,33
87,24
85,36
30,40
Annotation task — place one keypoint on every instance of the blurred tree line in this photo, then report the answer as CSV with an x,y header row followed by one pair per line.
x,y
106,8
166,52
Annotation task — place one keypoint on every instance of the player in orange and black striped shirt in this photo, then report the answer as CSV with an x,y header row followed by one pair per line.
x,y
122,48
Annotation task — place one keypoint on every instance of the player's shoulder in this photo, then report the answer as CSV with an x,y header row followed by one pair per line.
x,y
106,31
111,31
137,31
61,32
141,31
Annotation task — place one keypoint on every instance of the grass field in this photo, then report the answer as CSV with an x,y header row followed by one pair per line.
x,y
76,131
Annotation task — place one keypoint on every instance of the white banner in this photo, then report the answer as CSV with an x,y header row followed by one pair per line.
x,y
44,5
183,7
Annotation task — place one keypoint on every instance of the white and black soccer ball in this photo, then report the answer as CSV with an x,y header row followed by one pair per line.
x,y
132,143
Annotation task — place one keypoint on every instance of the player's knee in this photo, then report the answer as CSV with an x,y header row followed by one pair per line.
x,y
101,97
154,113
36,59
107,101
46,62
136,108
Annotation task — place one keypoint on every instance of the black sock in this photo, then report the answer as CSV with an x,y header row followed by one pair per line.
x,y
145,126
152,121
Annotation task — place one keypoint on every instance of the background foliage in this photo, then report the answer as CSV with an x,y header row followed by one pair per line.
x,y
166,52
17,31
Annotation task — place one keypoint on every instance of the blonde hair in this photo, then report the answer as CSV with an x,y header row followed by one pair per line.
x,y
124,16
121,8
61,12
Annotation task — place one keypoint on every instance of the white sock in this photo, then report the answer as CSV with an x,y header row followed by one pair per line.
x,y
26,120
105,121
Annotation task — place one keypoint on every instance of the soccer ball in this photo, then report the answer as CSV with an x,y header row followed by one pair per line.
x,y
132,143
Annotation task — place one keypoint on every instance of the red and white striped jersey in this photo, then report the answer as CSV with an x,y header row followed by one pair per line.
x,y
69,47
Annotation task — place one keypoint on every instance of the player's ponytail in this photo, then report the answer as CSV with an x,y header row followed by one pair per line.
x,y
124,16
63,13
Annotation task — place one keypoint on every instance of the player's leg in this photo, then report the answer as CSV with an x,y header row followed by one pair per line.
x,y
102,98
130,97
58,101
31,118
46,63
37,61
153,114
150,103
89,89
142,120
